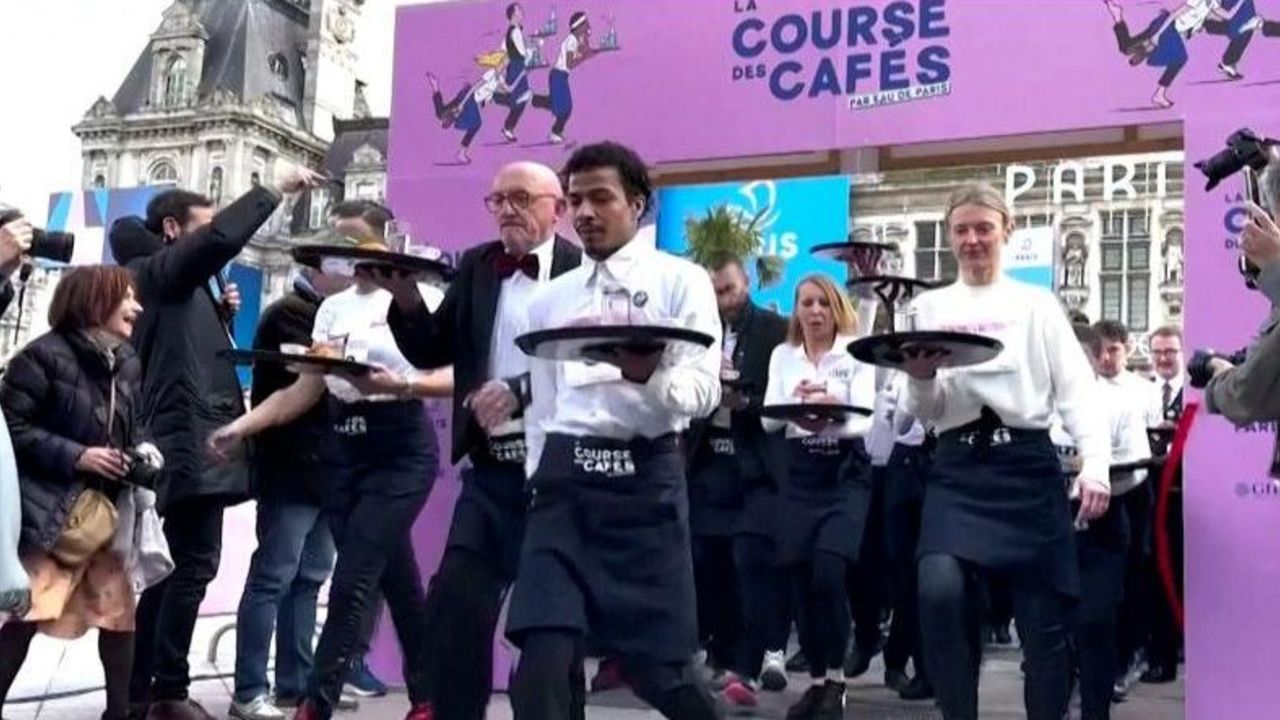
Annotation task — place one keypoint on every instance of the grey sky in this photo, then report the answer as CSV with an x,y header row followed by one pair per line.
x,y
58,56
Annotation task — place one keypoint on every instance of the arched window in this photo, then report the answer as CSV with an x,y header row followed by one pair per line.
x,y
175,81
99,181
215,185
164,173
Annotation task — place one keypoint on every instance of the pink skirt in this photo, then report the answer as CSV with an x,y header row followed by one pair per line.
x,y
66,602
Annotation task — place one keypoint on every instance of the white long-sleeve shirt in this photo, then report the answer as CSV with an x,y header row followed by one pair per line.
x,y
593,399
892,424
1041,371
850,381
1126,428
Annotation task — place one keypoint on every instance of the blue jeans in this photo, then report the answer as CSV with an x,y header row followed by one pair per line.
x,y
294,558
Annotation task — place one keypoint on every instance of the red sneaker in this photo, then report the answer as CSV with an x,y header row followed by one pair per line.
x,y
608,676
737,693
421,711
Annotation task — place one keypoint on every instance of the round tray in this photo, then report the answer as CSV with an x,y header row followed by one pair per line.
x,y
598,342
961,349
340,260
1127,467
811,411
842,251
912,285
271,357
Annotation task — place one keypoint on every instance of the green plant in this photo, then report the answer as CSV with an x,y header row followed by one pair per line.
x,y
723,234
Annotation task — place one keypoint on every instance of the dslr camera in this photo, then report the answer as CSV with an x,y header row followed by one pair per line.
x,y
145,463
55,246
1248,151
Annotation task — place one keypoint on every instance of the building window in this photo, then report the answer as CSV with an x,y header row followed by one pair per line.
x,y
1033,220
215,185
175,82
934,260
255,179
366,190
319,207
99,181
164,173
1126,267
278,65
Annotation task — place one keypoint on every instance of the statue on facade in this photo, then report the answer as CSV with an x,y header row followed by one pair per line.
x,y
1074,257
1173,260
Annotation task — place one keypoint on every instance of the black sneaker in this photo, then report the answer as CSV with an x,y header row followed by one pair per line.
x,y
895,679
857,661
807,708
798,663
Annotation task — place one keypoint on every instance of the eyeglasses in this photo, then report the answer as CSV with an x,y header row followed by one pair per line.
x,y
520,200
1165,353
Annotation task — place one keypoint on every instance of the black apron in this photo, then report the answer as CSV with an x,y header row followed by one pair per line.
x,y
489,517
826,497
716,487
1103,546
995,498
607,550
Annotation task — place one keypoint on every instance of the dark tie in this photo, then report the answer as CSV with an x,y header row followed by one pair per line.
x,y
1166,398
507,265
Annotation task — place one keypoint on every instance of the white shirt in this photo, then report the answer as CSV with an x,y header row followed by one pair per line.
x,y
850,381
485,89
505,359
360,320
568,50
592,399
1041,371
1139,394
1127,430
1194,13
724,417
892,424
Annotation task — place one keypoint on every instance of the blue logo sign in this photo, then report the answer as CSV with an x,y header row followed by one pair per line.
x,y
797,214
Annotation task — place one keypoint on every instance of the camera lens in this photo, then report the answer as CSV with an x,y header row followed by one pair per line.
x,y
55,246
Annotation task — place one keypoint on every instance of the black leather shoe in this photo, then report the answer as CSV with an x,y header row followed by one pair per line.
x,y
831,707
857,662
807,707
895,679
917,689
1159,675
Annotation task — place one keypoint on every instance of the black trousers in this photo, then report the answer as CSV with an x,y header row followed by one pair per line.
x,y
383,474
1166,635
824,619
545,687
720,624
902,530
167,612
766,601
950,620
1095,634
1237,46
867,582
1133,625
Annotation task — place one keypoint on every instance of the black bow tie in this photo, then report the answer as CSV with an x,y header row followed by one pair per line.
x,y
506,265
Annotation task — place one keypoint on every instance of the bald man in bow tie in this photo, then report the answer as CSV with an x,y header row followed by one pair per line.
x,y
474,330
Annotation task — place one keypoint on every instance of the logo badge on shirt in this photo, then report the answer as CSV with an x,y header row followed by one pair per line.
x,y
640,298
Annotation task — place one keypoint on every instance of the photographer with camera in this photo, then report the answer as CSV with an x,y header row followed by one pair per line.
x,y
1240,388
72,399
177,254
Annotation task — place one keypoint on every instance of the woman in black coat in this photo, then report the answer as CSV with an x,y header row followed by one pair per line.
x,y
70,398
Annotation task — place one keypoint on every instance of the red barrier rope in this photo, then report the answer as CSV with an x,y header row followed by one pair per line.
x,y
1164,561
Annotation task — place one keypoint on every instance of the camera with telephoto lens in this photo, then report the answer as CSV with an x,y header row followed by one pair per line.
x,y
145,463
1248,151
55,246
1198,371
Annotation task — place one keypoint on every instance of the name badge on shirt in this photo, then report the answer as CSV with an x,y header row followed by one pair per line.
x,y
604,462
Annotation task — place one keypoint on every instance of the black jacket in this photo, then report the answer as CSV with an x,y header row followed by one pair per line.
x,y
288,459
56,394
460,331
759,332
187,391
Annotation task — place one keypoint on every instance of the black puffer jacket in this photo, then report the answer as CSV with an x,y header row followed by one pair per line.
x,y
187,391
56,397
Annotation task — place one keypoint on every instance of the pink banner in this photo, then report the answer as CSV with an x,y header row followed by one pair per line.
x,y
683,80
